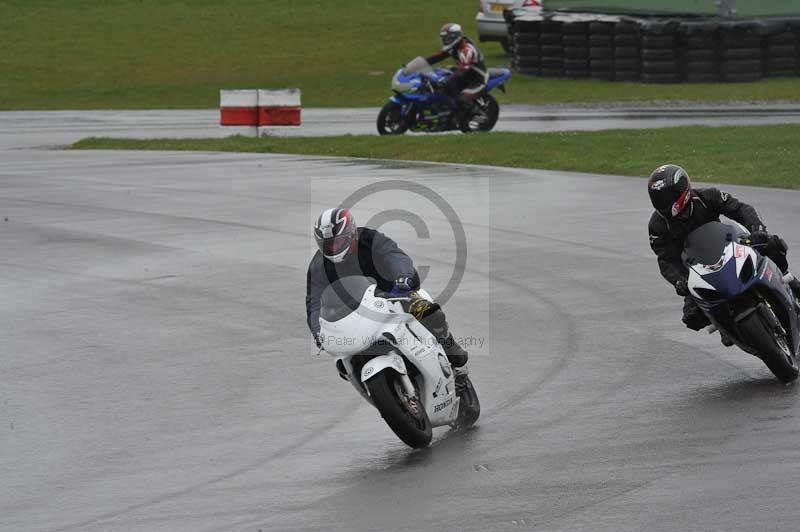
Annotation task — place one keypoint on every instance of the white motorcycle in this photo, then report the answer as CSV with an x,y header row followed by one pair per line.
x,y
393,361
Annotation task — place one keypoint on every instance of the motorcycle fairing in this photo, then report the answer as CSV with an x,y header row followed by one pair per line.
x,y
497,77
380,363
402,336
724,277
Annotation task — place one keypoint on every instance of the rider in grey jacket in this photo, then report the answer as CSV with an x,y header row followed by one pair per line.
x,y
345,249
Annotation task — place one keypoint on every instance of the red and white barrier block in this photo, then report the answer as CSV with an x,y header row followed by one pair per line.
x,y
246,111
279,107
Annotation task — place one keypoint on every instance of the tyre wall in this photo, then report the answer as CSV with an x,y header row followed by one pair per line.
x,y
618,48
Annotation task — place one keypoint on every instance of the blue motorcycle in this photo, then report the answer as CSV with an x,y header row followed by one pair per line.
x,y
745,295
417,106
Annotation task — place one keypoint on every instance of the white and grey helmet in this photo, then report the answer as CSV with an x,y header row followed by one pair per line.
x,y
335,232
450,35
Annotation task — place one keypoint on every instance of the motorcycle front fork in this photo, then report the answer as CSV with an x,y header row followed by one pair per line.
x,y
408,386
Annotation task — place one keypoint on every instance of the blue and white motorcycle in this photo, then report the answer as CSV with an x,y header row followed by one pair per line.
x,y
416,106
745,296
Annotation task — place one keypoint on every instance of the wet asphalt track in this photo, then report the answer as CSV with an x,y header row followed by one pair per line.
x,y
27,128
156,372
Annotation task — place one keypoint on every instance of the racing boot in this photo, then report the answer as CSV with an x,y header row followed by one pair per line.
x,y
462,376
455,353
794,287
726,341
794,284
469,408
341,369
464,114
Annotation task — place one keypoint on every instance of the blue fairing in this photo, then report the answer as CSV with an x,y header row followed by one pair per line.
x,y
768,278
770,275
724,297
728,283
729,286
417,81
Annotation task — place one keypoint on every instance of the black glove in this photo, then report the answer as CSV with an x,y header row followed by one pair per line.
x,y
402,287
681,288
778,244
759,238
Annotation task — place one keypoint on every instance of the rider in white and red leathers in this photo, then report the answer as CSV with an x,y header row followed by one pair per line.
x,y
469,74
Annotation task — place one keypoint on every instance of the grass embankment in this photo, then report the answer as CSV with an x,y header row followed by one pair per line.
x,y
133,54
755,155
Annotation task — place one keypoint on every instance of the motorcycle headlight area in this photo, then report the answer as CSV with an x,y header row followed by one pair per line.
x,y
748,270
746,262
740,261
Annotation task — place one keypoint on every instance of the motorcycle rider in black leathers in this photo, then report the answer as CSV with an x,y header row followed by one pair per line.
x,y
679,211
470,74
345,249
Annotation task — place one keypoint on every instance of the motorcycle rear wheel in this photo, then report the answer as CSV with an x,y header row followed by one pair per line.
x,y
405,416
390,120
774,351
490,111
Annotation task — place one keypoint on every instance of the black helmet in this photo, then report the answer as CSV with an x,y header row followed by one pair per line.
x,y
336,234
450,35
670,190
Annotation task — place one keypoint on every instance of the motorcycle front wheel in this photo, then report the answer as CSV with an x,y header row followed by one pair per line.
x,y
405,415
773,349
485,113
390,120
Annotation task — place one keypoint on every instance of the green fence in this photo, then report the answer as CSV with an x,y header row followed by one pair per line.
x,y
744,8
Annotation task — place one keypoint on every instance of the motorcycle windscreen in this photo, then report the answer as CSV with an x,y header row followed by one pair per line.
x,y
343,296
417,65
706,244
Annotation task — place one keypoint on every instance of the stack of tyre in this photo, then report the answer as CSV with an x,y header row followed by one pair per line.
x,y
741,56
552,42
660,60
701,52
780,52
627,51
524,39
655,50
576,50
601,50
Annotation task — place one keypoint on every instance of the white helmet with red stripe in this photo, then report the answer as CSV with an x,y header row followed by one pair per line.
x,y
336,234
450,35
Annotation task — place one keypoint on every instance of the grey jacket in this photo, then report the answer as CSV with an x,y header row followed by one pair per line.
x,y
378,257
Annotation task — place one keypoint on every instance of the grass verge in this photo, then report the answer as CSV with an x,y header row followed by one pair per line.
x,y
137,54
751,155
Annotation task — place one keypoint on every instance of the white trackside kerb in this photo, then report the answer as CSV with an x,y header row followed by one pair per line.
x,y
413,344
